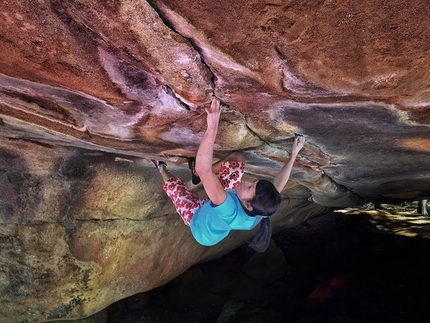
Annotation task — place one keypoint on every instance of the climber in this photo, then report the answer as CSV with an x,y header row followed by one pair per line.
x,y
232,204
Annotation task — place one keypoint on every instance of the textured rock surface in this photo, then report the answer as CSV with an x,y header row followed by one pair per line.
x,y
89,89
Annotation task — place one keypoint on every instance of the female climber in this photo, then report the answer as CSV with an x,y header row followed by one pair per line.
x,y
232,204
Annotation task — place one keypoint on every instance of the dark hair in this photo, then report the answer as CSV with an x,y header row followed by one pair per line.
x,y
266,201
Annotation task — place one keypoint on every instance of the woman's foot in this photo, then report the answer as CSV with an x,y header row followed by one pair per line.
x,y
159,164
194,177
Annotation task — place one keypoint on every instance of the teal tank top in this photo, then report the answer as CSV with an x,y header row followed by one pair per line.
x,y
210,223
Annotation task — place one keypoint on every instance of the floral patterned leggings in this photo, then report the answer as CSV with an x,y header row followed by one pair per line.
x,y
187,203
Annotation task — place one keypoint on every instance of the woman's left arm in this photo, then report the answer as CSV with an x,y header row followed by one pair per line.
x,y
284,175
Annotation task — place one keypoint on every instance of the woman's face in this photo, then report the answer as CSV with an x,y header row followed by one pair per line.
x,y
246,191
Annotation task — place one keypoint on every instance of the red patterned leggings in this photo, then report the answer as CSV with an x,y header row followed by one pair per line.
x,y
187,203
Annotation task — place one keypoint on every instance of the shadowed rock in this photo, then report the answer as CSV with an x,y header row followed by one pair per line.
x,y
92,90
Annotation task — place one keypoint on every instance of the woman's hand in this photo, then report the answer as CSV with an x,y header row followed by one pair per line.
x,y
298,144
213,114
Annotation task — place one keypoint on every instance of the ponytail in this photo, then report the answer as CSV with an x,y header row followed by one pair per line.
x,y
265,202
261,240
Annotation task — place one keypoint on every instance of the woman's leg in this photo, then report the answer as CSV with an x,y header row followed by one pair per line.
x,y
237,156
165,173
230,173
186,203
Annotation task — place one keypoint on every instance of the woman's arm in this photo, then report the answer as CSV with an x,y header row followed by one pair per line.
x,y
282,178
210,181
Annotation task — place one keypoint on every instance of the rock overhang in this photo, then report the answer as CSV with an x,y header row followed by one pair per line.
x,y
91,89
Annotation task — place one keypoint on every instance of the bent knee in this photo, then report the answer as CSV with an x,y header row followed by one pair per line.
x,y
237,156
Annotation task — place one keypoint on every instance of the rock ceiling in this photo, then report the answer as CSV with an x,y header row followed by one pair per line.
x,y
90,90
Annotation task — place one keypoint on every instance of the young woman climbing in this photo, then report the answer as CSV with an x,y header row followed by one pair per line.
x,y
232,204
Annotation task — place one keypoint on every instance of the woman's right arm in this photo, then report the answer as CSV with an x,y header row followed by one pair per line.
x,y
204,158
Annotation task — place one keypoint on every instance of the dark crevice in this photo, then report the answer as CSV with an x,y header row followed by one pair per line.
x,y
191,41
253,132
268,143
110,220
69,222
342,187
45,145
170,92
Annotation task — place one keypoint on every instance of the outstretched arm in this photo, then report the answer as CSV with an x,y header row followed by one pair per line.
x,y
282,178
211,183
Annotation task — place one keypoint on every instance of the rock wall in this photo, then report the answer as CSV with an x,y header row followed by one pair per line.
x,y
90,91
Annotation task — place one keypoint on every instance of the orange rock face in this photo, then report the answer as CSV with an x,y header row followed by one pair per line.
x,y
91,90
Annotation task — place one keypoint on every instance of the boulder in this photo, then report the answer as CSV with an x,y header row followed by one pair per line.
x,y
91,91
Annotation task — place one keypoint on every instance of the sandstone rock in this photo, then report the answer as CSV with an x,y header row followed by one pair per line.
x,y
100,317
90,91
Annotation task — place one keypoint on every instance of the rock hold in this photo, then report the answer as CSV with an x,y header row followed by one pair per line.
x,y
90,91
